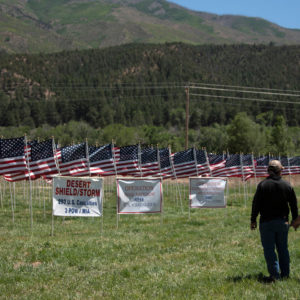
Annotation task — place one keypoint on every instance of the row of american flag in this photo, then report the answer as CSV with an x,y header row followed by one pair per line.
x,y
23,160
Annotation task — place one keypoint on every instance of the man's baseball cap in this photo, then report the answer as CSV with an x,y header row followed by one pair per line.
x,y
276,164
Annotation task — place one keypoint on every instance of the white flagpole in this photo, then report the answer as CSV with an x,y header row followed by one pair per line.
x,y
243,176
254,169
140,159
12,204
38,184
44,198
207,161
55,155
174,174
288,159
195,159
189,201
14,193
87,156
102,202
117,207
114,157
1,193
162,204
30,184
52,220
116,172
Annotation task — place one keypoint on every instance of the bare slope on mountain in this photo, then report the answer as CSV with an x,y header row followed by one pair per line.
x,y
56,25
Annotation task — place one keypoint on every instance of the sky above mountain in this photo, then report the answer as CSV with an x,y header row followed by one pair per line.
x,y
282,12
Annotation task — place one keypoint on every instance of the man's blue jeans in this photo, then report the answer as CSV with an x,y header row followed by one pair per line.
x,y
275,234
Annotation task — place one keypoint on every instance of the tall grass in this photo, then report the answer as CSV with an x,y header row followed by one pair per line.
x,y
211,255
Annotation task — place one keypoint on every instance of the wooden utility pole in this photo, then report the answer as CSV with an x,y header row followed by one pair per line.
x,y
187,113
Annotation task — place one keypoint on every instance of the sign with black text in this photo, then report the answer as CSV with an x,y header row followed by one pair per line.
x,y
138,196
207,192
77,196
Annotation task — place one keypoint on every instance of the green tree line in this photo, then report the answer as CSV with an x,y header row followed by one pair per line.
x,y
241,135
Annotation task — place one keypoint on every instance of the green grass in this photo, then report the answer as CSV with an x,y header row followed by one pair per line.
x,y
211,255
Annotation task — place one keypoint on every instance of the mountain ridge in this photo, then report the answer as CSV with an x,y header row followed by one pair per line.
x,y
33,26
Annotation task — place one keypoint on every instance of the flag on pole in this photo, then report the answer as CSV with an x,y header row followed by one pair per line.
x,y
101,160
262,164
149,162
294,165
247,166
232,167
202,163
216,163
184,163
12,155
286,165
127,160
165,165
40,161
72,160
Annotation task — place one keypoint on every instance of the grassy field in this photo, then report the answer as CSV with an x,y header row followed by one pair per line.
x,y
211,255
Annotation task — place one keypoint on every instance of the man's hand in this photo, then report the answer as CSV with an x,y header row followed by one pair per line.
x,y
253,225
296,223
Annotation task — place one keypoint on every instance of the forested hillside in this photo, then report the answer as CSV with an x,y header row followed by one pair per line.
x,y
137,84
144,85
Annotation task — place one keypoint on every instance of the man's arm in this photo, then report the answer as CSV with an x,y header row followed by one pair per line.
x,y
294,209
255,209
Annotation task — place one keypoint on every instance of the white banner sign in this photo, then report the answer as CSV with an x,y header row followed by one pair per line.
x,y
77,197
207,192
138,196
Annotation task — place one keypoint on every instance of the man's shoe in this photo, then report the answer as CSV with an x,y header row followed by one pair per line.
x,y
268,279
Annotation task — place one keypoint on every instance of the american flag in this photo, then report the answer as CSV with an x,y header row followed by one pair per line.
x,y
165,165
184,163
101,160
232,167
127,160
72,160
202,163
248,166
285,163
149,162
40,160
12,155
294,165
262,164
217,163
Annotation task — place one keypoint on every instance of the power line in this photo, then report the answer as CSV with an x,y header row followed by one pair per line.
x,y
245,91
248,105
247,99
191,85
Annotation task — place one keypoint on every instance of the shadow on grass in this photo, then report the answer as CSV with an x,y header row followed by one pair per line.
x,y
257,277
196,223
260,277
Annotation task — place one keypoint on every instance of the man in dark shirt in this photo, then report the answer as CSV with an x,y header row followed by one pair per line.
x,y
273,200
